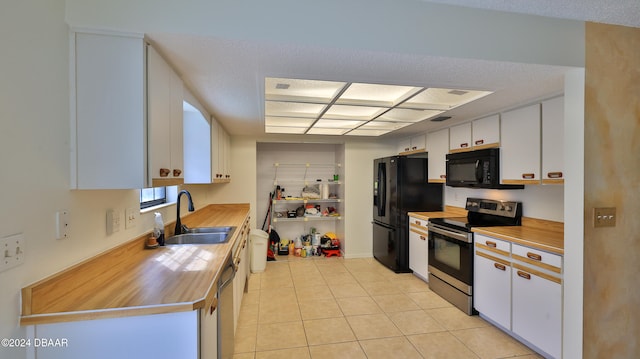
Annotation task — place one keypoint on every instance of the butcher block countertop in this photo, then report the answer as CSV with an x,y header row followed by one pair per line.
x,y
129,280
449,211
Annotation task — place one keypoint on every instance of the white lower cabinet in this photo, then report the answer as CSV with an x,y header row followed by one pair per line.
x,y
418,247
492,279
209,332
159,336
241,263
537,301
520,289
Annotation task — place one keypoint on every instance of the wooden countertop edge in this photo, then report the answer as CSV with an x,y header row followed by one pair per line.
x,y
528,243
28,318
107,313
449,211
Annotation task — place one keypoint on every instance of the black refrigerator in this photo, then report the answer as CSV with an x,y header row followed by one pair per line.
x,y
400,186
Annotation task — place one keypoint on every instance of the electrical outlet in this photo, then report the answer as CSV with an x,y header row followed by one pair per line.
x,y
62,224
12,250
604,217
131,217
113,221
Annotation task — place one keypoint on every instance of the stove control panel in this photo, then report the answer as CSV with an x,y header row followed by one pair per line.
x,y
494,207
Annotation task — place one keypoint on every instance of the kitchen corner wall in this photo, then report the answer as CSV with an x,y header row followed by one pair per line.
x,y
612,179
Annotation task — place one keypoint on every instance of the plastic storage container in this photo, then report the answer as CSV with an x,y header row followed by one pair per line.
x,y
259,240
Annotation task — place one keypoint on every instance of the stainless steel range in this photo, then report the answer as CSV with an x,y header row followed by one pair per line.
x,y
451,247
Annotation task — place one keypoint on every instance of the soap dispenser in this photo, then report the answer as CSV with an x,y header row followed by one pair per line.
x,y
158,228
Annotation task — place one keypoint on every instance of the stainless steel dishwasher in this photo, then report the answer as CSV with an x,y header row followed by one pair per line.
x,y
225,311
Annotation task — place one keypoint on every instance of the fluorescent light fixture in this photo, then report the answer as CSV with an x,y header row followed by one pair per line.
x,y
356,109
348,124
289,130
327,131
376,95
443,99
293,109
301,90
353,112
408,115
288,121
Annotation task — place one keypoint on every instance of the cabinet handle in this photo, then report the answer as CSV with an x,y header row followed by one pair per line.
x,y
418,223
414,148
177,172
491,244
164,172
528,175
464,145
554,174
500,266
524,275
534,256
443,176
423,238
479,142
406,148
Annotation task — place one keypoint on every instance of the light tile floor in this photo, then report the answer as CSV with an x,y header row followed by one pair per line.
x,y
357,308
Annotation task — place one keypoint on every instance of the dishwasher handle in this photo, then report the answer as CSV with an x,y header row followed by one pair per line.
x,y
226,282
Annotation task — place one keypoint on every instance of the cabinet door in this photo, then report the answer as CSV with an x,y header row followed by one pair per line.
x,y
460,138
418,249
486,132
437,147
404,145
520,146
108,123
164,95
553,140
492,288
418,142
537,310
216,172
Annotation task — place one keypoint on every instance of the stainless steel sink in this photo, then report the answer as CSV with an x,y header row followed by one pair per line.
x,y
227,229
203,235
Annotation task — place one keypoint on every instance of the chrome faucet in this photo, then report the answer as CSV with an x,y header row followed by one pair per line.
x,y
180,228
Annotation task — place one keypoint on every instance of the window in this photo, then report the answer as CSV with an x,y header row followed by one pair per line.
x,y
150,197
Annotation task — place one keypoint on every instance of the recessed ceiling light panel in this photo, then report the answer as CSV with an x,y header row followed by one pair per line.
x,y
376,95
292,109
288,121
349,124
353,112
366,132
279,89
408,115
288,130
443,99
327,131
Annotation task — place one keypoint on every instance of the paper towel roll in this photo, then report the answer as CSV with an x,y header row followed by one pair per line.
x,y
325,191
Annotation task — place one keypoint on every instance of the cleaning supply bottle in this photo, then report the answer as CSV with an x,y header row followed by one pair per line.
x,y
158,228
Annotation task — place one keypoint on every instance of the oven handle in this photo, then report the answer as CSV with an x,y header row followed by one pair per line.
x,y
462,237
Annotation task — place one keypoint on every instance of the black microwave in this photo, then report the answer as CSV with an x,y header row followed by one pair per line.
x,y
476,169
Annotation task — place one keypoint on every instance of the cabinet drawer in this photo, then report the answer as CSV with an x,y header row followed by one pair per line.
x,y
537,258
418,224
492,244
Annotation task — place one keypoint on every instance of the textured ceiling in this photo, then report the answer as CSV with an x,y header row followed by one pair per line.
x,y
228,74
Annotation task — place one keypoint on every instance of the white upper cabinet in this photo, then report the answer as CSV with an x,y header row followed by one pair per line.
x,y
553,140
486,132
220,153
108,138
520,146
437,147
412,144
165,122
460,137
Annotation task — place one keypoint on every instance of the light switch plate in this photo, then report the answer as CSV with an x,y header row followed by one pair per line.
x,y
11,251
131,217
604,217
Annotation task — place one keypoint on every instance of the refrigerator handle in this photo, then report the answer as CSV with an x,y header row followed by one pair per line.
x,y
382,189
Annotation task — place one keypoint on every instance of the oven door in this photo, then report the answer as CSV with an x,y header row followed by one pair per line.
x,y
451,252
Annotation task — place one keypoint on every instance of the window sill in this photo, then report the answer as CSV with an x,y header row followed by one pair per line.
x,y
155,208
